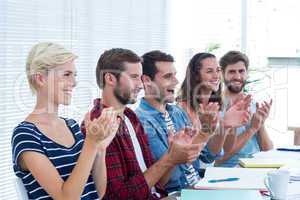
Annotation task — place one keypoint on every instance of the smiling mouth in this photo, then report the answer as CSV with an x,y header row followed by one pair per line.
x,y
214,82
68,92
171,91
236,83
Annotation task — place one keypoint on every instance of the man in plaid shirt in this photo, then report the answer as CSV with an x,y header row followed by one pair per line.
x,y
131,171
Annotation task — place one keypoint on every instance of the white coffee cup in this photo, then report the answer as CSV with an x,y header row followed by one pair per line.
x,y
277,183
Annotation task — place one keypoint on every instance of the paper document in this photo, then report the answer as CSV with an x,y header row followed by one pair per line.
x,y
247,178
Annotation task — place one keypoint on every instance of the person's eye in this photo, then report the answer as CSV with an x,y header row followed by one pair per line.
x,y
134,77
68,74
168,76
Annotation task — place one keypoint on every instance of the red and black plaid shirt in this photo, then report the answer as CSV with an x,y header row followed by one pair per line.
x,y
125,180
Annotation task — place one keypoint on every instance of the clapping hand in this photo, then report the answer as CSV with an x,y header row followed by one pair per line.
x,y
264,109
103,129
209,117
181,147
261,114
238,114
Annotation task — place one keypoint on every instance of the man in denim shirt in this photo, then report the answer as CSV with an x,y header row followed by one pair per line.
x,y
160,118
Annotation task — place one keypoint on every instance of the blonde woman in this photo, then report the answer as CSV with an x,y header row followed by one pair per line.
x,y
50,154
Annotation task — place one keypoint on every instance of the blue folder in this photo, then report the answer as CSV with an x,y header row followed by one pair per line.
x,y
221,195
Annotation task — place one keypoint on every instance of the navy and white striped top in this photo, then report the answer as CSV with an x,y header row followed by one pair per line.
x,y
27,137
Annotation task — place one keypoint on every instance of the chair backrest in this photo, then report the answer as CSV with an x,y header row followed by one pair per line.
x,y
21,191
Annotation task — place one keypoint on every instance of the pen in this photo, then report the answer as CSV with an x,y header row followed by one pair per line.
x,y
223,180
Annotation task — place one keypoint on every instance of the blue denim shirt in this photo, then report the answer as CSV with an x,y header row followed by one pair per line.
x,y
153,122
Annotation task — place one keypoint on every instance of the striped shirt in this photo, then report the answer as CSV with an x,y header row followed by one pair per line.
x,y
169,123
191,175
27,137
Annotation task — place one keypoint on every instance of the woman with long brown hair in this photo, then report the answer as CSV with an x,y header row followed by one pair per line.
x,y
200,96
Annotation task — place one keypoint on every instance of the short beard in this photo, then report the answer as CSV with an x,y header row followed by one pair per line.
x,y
123,98
233,89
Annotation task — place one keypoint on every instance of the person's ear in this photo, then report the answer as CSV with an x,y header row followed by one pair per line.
x,y
39,79
146,80
110,79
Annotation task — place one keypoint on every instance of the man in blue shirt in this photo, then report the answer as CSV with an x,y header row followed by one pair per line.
x,y
252,137
160,117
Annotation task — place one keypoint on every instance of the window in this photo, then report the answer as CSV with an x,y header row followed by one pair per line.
x,y
86,27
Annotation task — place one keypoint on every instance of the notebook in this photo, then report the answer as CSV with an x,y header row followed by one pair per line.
x,y
221,195
248,179
265,162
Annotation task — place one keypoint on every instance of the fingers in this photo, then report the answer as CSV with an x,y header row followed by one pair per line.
x,y
113,122
193,148
246,117
267,106
211,107
262,114
201,108
201,137
243,103
263,110
105,121
194,151
257,105
170,138
209,112
189,131
238,105
87,119
271,102
105,126
113,125
91,126
247,101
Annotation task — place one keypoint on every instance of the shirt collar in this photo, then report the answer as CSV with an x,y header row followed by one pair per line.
x,y
98,105
145,105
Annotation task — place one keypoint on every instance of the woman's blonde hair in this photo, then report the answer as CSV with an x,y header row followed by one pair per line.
x,y
44,56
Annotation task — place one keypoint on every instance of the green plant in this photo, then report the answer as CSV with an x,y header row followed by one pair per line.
x,y
257,79
212,47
